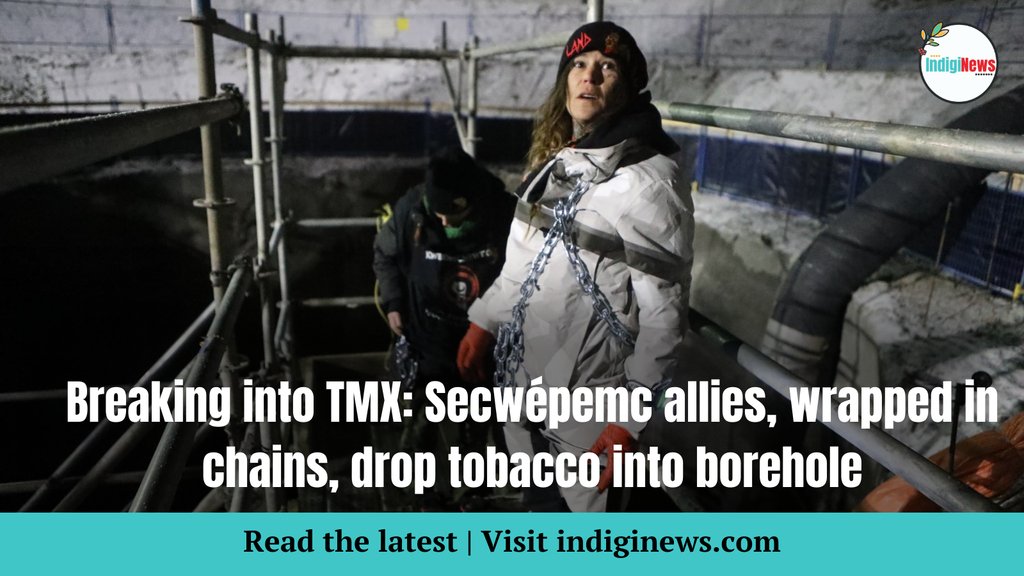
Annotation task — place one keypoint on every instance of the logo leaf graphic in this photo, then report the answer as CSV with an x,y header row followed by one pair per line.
x,y
923,35
932,43
941,33
937,28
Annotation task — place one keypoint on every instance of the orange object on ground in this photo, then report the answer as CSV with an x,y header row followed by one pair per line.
x,y
992,463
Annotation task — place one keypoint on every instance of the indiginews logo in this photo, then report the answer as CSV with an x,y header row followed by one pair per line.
x,y
958,62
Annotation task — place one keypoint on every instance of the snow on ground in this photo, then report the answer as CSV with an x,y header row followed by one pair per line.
x,y
908,325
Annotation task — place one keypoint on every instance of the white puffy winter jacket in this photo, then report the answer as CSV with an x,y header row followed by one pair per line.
x,y
635,230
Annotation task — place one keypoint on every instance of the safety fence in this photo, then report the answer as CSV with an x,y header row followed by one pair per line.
x,y
981,238
269,264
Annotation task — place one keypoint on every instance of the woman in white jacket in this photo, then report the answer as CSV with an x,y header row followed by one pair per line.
x,y
595,286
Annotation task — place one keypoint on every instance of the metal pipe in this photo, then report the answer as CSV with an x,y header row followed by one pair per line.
x,y
174,354
266,429
275,238
214,201
259,197
943,489
164,472
119,478
804,331
110,459
32,395
212,502
471,104
308,104
336,222
247,446
349,302
24,486
595,10
456,102
256,139
94,477
283,320
250,38
964,147
463,58
210,135
554,40
224,29
372,53
277,78
36,152
270,434
66,104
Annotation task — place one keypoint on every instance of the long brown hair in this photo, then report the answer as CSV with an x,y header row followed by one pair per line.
x,y
552,126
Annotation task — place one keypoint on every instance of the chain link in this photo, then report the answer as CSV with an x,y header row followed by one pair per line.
x,y
406,365
508,351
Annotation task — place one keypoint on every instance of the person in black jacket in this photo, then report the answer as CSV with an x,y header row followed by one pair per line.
x,y
442,248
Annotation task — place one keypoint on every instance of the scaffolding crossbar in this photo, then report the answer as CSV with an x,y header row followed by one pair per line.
x,y
965,147
36,152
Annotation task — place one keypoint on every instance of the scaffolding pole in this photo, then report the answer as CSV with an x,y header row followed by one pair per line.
x,y
595,10
342,302
33,153
934,482
452,93
119,478
213,184
164,472
336,222
553,40
114,455
472,99
369,53
278,69
214,201
220,27
175,354
32,395
964,147
256,139
266,429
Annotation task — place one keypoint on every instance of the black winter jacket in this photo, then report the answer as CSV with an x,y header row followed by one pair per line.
x,y
431,279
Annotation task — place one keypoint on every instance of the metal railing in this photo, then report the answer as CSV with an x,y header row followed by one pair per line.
x,y
966,147
159,483
160,369
37,152
164,473
934,482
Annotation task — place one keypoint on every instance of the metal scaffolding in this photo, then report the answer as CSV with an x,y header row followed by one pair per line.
x,y
32,153
161,480
965,147
40,151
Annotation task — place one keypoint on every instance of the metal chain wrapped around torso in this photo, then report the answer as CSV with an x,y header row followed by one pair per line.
x,y
508,352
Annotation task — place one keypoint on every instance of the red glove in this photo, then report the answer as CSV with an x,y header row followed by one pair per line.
x,y
473,352
611,436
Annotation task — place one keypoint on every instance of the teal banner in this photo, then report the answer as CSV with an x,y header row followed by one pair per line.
x,y
506,543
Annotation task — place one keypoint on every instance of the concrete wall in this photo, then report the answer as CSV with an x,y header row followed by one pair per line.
x,y
907,325
768,55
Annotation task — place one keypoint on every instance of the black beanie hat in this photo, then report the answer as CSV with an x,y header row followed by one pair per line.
x,y
612,41
453,181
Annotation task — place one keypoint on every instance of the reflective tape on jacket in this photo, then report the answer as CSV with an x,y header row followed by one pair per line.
x,y
663,265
